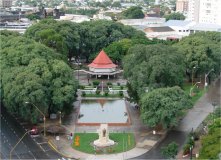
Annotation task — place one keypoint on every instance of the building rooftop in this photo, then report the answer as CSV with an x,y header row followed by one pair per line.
x,y
102,61
159,29
206,27
177,23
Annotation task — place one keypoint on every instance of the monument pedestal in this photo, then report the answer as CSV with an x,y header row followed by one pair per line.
x,y
103,140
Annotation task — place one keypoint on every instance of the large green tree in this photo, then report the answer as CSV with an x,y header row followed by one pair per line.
x,y
153,66
174,16
202,51
163,106
33,72
133,13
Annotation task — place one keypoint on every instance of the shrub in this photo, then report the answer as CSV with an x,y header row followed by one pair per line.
x,y
82,87
106,93
121,87
186,149
170,151
109,83
83,94
121,93
97,92
96,83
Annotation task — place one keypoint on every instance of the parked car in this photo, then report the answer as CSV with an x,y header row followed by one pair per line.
x,y
34,130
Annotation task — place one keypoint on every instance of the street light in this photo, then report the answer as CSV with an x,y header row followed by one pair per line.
x,y
60,117
40,112
192,73
193,87
206,75
18,143
191,151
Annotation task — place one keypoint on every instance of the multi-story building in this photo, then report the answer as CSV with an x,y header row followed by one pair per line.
x,y
6,3
205,11
182,6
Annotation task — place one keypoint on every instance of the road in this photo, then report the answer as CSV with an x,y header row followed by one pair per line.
x,y
192,120
29,148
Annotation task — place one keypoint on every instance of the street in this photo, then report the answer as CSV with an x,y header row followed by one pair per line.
x,y
29,148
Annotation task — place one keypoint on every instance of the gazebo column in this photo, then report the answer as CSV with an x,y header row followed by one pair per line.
x,y
96,76
108,76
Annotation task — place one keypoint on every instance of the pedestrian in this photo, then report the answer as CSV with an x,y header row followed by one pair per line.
x,y
88,80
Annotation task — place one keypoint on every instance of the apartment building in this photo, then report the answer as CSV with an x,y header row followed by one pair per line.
x,y
205,11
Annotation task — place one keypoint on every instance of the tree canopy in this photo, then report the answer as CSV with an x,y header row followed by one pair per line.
x,y
163,106
35,73
134,12
174,16
201,50
153,66
80,40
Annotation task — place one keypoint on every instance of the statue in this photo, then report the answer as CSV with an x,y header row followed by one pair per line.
x,y
103,140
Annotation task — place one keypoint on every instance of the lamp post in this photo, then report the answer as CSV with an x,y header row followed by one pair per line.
x,y
60,118
206,75
18,143
193,87
192,73
40,112
191,152
214,106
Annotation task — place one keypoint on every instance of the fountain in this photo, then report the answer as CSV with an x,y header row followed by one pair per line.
x,y
103,140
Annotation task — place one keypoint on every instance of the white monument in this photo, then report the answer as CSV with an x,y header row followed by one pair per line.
x,y
103,140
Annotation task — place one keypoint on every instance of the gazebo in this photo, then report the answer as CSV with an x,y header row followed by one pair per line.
x,y
102,65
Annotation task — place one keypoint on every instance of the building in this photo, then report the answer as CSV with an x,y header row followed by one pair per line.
x,y
102,66
205,27
182,6
74,18
5,3
181,27
147,21
205,11
163,33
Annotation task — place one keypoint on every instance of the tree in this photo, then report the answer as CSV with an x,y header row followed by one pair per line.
x,y
35,73
133,13
170,151
163,106
202,53
211,142
174,16
116,4
153,66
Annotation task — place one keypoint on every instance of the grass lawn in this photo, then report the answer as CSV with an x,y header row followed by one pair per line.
x,y
84,140
200,92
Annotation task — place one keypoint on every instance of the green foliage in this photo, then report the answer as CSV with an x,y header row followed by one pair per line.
x,y
121,93
83,94
170,151
96,83
133,13
211,142
163,106
106,93
174,16
32,17
201,50
153,66
80,40
121,87
109,83
35,73
98,92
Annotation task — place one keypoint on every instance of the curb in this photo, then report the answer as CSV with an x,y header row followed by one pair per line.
x,y
54,147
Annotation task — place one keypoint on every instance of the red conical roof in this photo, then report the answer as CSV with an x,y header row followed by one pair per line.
x,y
102,61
